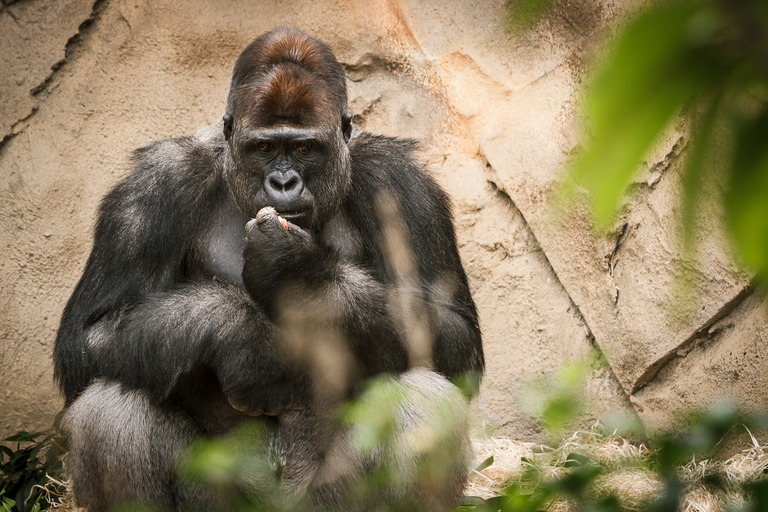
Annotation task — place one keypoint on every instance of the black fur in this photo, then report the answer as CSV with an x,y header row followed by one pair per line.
x,y
183,317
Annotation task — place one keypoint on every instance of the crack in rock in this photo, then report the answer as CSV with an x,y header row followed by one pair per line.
x,y
507,199
70,47
23,121
660,168
369,63
613,257
572,306
11,15
682,350
650,178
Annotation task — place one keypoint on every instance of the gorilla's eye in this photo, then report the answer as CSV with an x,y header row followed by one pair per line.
x,y
264,147
303,147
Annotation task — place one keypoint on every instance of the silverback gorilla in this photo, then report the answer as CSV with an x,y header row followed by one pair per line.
x,y
225,261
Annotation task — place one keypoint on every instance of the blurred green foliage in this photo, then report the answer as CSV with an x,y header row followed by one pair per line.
x,y
706,60
556,400
232,464
578,483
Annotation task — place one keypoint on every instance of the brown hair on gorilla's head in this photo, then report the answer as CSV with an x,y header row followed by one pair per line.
x,y
286,77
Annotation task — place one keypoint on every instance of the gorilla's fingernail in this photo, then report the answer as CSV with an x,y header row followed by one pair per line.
x,y
264,214
251,225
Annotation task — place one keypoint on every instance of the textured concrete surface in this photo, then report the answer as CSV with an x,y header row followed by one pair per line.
x,y
83,83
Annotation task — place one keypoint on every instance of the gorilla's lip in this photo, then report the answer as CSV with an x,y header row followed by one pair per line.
x,y
298,217
294,215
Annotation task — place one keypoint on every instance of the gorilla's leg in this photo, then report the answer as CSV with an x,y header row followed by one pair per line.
x,y
123,450
431,455
426,457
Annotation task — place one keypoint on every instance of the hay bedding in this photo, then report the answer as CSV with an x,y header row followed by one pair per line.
x,y
627,478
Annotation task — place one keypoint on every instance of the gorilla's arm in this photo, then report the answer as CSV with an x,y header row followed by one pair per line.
x,y
310,292
388,164
134,317
296,279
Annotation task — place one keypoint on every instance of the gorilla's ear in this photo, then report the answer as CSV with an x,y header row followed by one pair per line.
x,y
346,126
227,126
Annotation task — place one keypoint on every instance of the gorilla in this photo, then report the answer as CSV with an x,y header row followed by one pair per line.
x,y
263,271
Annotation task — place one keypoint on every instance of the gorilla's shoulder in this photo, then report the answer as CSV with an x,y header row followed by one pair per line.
x,y
382,163
182,156
369,148
387,165
171,172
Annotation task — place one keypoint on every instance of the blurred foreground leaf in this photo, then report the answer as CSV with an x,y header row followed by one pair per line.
x,y
704,60
746,201
557,399
660,61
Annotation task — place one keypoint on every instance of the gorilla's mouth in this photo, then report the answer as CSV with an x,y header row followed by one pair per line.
x,y
298,217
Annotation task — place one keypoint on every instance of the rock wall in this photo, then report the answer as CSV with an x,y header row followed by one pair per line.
x,y
83,83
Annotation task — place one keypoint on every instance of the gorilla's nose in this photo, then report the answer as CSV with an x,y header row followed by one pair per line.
x,y
284,184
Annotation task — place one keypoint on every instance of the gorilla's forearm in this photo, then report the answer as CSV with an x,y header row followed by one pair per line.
x,y
386,325
152,343
457,351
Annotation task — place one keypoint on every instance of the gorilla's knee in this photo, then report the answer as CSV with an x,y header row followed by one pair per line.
x,y
124,449
431,452
425,457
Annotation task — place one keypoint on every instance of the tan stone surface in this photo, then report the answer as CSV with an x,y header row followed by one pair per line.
x,y
724,363
496,114
35,35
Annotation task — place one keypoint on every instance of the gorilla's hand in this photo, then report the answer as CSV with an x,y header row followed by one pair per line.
x,y
276,253
285,392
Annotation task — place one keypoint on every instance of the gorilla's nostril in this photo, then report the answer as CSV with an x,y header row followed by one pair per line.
x,y
275,184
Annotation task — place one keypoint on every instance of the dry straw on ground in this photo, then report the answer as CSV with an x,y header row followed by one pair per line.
x,y
627,476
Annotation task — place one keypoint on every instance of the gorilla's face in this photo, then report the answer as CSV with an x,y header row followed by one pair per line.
x,y
302,172
287,129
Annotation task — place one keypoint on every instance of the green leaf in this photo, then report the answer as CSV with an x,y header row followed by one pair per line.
x,y
746,199
7,451
20,437
576,460
486,463
8,504
660,61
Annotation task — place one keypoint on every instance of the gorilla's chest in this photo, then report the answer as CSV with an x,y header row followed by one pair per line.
x,y
220,249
